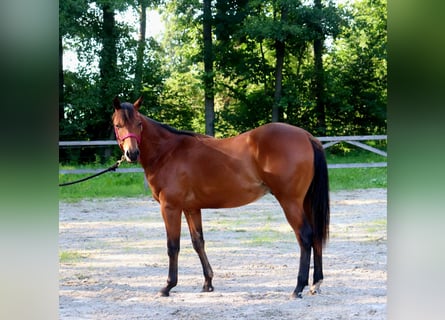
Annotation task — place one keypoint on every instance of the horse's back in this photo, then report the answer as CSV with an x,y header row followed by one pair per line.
x,y
281,130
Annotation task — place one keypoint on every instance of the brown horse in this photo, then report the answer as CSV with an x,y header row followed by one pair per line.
x,y
188,171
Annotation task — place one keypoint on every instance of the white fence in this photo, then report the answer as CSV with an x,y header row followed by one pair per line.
x,y
327,142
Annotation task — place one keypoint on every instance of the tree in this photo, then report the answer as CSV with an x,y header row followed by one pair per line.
x,y
209,101
90,28
260,28
319,90
142,8
287,28
107,54
280,47
248,62
182,97
61,82
109,77
279,23
70,12
357,76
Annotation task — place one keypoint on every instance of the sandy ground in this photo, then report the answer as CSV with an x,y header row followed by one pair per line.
x,y
114,261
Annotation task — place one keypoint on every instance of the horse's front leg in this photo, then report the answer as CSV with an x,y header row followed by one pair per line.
x,y
194,222
172,220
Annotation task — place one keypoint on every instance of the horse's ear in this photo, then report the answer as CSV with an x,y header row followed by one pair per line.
x,y
138,103
116,103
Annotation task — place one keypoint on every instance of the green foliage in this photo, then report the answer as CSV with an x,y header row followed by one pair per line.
x,y
245,35
356,68
251,111
181,102
106,50
247,55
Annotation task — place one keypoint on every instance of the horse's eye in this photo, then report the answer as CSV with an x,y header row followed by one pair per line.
x,y
118,126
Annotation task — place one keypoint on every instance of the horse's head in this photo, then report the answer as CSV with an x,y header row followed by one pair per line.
x,y
127,124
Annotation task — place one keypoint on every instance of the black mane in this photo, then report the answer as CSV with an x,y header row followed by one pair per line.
x,y
176,131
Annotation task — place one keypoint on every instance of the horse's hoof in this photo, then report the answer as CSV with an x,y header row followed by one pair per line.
x,y
163,293
313,292
296,295
207,289
315,289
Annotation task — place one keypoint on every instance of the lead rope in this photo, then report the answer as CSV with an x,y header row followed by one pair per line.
x,y
112,168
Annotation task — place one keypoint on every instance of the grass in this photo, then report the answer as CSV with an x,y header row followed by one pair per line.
x,y
71,256
377,225
356,178
264,235
110,184
107,185
132,184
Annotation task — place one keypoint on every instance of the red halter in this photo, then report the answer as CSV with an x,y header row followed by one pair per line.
x,y
130,135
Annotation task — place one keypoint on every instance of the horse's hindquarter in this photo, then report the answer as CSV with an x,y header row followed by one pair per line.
x,y
284,157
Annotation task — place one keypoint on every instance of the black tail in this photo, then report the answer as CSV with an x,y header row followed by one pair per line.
x,y
318,195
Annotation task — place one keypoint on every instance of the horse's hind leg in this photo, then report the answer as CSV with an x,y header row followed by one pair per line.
x,y
304,237
195,226
295,216
318,262
318,272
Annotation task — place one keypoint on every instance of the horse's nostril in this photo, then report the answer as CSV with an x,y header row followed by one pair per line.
x,y
132,155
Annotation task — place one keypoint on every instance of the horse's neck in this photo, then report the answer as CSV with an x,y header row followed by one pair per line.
x,y
156,141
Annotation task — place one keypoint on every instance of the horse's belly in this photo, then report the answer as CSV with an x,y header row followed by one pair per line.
x,y
226,197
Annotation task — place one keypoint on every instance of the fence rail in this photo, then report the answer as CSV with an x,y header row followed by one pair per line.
x,y
330,141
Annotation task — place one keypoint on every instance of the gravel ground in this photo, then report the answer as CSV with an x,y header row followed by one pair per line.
x,y
114,261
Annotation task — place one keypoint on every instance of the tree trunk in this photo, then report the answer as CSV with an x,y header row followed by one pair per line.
x,y
277,111
264,67
139,67
208,71
108,70
319,92
280,46
61,83
109,87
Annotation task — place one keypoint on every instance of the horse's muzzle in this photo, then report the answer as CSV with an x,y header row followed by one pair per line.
x,y
132,155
